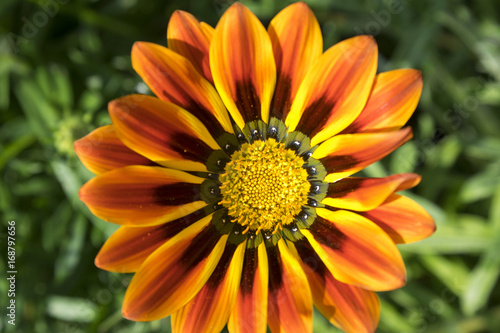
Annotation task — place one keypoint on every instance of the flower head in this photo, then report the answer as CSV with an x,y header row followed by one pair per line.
x,y
233,186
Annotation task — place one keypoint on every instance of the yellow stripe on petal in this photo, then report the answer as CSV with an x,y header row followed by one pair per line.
x,y
209,310
242,64
404,220
174,79
391,103
297,44
335,90
142,196
346,154
101,151
129,247
191,39
290,305
249,314
350,308
174,273
364,194
356,251
162,131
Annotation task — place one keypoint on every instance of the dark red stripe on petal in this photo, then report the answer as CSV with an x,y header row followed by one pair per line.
x,y
282,99
340,163
144,241
190,148
314,116
275,268
327,234
310,257
343,155
200,247
247,100
250,264
221,268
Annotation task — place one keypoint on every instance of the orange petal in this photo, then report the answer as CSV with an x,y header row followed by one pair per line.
x,y
364,194
393,99
210,309
142,196
128,247
174,273
101,151
350,308
242,64
297,44
356,251
346,154
290,305
174,79
404,220
191,39
162,131
250,311
335,90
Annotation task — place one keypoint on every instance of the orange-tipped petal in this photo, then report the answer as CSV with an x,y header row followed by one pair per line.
x,y
391,103
142,196
250,311
404,220
191,39
162,131
128,247
346,154
290,305
297,44
174,273
242,64
356,251
335,90
209,310
350,308
364,194
174,79
101,151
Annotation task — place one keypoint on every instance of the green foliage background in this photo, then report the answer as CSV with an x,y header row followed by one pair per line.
x,y
57,75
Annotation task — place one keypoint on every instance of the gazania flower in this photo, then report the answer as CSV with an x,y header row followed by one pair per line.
x,y
233,186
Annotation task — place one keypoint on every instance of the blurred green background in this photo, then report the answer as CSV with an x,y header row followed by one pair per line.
x,y
61,61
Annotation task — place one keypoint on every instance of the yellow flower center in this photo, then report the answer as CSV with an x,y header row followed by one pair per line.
x,y
264,186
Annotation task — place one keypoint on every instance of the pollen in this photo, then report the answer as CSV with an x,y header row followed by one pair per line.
x,y
264,186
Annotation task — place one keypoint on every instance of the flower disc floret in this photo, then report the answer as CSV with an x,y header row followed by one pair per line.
x,y
264,186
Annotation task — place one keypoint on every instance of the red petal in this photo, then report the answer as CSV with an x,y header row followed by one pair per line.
x,y
242,64
210,308
142,196
356,251
364,194
290,306
162,131
250,311
335,90
191,39
404,220
174,273
297,44
346,154
391,103
352,309
102,150
128,247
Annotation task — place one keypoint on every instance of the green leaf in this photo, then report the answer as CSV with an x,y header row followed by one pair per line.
x,y
485,275
71,309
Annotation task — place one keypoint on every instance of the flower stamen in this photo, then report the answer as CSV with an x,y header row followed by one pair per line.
x,y
264,186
